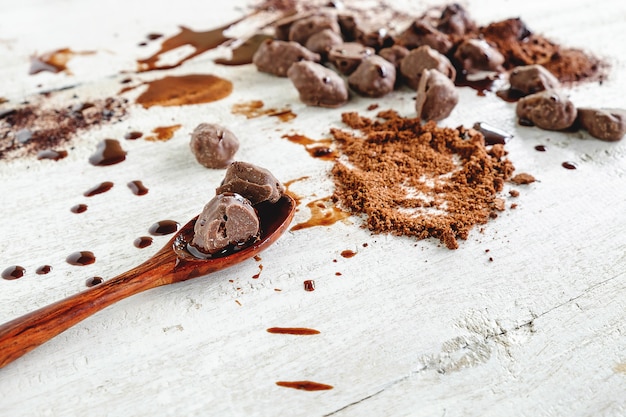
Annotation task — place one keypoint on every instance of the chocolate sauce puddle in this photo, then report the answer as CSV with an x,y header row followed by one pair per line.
x,y
163,133
183,90
243,54
320,149
108,152
255,108
199,41
323,213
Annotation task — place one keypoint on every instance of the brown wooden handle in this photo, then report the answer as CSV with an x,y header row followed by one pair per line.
x,y
169,265
25,333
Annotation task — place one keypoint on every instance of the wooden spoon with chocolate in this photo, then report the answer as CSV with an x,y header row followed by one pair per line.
x,y
178,261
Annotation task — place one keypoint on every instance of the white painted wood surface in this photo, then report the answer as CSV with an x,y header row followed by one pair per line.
x,y
408,329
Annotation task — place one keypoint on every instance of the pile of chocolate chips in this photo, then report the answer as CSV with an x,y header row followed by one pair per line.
x,y
33,128
377,57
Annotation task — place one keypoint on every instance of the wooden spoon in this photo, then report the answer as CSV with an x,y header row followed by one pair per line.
x,y
171,264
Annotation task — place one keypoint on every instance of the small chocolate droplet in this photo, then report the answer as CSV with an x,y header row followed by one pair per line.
x,y
81,258
43,270
93,281
309,285
13,272
163,227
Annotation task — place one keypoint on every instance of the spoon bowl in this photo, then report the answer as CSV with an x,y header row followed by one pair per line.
x,y
173,263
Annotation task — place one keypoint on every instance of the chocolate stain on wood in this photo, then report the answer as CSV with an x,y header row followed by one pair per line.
x,y
323,213
162,133
98,189
108,152
183,90
242,54
200,41
299,331
320,149
304,385
348,253
54,61
255,108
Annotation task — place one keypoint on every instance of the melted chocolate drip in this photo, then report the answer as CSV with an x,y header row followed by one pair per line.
x,y
43,270
199,41
300,331
163,227
108,152
93,281
322,214
185,89
79,208
137,187
81,258
142,242
133,135
304,385
99,189
13,272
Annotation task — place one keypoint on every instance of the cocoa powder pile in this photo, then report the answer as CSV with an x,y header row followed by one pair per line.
x,y
418,180
520,46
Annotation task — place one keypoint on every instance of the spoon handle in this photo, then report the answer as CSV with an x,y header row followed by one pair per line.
x,y
25,333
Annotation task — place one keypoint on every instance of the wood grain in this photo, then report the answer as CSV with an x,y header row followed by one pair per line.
x,y
407,329
171,264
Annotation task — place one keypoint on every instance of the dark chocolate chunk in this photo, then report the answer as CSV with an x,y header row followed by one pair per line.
x,y
604,124
456,21
301,30
227,220
436,96
475,55
374,77
318,85
530,79
323,41
421,32
423,58
254,183
550,110
275,57
347,56
213,146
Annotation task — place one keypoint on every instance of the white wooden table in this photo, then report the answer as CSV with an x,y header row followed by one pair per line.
x,y
408,328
